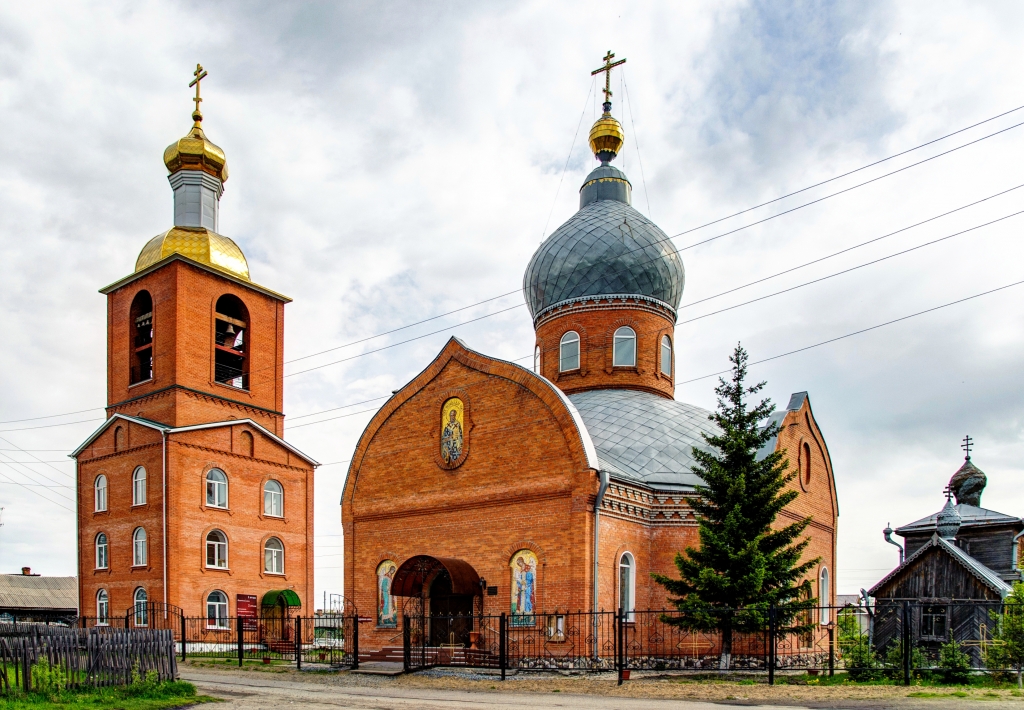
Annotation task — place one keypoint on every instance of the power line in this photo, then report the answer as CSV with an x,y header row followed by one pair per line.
x,y
568,157
34,491
636,140
858,332
9,443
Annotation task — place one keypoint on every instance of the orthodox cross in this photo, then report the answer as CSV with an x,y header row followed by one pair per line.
x,y
966,446
607,69
199,75
948,491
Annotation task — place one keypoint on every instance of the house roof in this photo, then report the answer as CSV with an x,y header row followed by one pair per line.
x,y
195,427
970,516
985,575
23,591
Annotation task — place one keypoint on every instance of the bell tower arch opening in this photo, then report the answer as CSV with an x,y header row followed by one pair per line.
x,y
230,349
141,339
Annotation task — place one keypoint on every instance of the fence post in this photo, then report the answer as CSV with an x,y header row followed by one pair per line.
x,y
26,667
772,643
406,644
241,639
298,643
355,641
907,652
184,640
503,644
619,655
831,651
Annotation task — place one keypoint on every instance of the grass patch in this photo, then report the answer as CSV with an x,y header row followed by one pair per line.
x,y
142,696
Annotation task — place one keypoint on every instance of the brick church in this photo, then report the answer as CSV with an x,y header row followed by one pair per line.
x,y
188,496
482,486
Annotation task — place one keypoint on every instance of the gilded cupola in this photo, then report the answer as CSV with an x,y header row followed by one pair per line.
x,y
198,169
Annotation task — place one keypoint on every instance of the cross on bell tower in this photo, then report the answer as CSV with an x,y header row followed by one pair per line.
x,y
199,75
607,69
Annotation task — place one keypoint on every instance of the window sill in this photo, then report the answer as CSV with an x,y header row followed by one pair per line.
x,y
217,508
208,568
225,385
101,570
141,382
140,568
265,516
281,575
218,628
101,512
139,505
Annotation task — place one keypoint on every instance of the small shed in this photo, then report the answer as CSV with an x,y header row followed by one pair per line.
x,y
32,597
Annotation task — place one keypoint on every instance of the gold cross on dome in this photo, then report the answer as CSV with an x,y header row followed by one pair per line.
x,y
199,75
607,69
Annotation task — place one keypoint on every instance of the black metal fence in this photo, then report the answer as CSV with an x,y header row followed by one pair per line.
x,y
894,639
55,657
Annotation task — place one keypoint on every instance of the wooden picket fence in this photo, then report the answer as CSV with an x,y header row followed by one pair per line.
x,y
84,657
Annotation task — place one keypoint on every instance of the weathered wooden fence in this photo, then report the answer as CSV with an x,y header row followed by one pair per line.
x,y
82,657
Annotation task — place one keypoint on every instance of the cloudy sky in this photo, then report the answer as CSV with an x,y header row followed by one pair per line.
x,y
393,162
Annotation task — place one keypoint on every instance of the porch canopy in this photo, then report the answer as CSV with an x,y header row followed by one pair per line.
x,y
288,596
415,571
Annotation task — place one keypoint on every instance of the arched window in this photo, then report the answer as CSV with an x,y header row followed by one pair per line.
x,y
217,549
824,596
217,610
536,359
624,347
216,488
231,342
246,443
806,473
100,493
569,352
140,329
102,607
102,550
139,486
627,584
273,499
119,438
666,355
141,607
139,551
273,556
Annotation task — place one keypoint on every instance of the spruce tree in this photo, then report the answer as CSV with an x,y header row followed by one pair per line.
x,y
744,565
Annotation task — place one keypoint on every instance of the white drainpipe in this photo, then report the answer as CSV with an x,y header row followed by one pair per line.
x,y
603,476
164,488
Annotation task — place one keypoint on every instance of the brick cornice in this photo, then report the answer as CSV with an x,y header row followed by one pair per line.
x,y
465,505
198,394
115,454
223,452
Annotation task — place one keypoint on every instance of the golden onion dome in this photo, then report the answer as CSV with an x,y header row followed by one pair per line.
x,y
196,152
606,137
198,244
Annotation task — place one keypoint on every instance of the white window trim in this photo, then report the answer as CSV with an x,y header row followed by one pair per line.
x,y
281,552
227,612
206,490
207,551
96,488
145,607
106,552
279,494
671,356
135,548
145,486
107,602
615,343
824,595
573,337
631,611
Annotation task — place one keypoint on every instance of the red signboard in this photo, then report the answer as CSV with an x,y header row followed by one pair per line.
x,y
246,605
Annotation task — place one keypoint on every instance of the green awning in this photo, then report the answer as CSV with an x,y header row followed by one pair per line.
x,y
289,596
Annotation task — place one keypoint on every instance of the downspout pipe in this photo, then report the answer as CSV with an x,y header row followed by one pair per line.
x,y
1016,551
888,538
164,505
602,489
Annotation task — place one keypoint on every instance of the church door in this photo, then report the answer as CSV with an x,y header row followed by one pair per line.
x,y
451,615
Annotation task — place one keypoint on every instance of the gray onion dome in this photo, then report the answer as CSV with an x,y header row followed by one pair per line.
x,y
947,522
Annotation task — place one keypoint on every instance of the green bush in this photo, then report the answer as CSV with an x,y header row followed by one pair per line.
x,y
49,679
893,663
860,661
954,664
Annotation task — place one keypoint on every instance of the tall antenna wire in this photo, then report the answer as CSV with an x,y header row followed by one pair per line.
x,y
568,157
636,141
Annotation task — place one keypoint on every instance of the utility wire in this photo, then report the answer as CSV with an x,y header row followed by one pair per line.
x,y
568,158
636,140
33,490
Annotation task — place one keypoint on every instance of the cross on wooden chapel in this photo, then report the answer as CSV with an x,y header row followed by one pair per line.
x,y
966,446
607,69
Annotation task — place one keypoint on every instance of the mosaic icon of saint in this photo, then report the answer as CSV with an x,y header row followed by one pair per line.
x,y
451,438
524,586
387,611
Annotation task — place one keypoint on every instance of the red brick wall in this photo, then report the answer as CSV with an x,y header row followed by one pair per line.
x,y
184,300
596,327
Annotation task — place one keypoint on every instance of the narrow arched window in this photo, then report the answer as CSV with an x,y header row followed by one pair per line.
x,y
824,596
624,347
273,556
217,549
140,329
139,486
217,488
246,443
627,584
806,464
569,352
666,355
141,607
217,610
273,499
102,607
100,493
231,342
536,359
139,549
102,551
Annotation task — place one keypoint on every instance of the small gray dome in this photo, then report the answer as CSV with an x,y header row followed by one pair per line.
x,y
948,521
606,249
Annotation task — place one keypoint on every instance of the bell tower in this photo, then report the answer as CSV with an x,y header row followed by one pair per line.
x,y
190,337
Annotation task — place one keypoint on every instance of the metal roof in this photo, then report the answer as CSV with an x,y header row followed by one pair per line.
x,y
606,249
970,516
644,438
980,571
24,591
